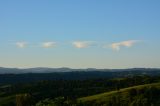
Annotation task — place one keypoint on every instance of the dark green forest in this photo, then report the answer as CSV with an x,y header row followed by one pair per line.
x,y
73,92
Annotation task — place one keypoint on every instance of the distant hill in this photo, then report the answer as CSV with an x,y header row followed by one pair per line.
x,y
51,70
13,75
32,70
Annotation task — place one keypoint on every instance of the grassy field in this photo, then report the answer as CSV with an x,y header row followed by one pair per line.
x,y
103,97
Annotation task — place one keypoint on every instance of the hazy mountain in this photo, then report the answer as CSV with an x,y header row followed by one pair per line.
x,y
15,75
51,70
32,70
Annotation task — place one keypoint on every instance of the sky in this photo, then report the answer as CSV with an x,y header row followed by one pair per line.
x,y
80,33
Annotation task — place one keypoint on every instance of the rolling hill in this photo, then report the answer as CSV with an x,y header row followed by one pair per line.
x,y
142,95
127,91
14,75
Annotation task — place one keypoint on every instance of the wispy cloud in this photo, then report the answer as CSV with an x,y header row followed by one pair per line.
x,y
21,44
117,45
83,44
49,44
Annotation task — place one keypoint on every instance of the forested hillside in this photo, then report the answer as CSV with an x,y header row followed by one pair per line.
x,y
12,76
68,92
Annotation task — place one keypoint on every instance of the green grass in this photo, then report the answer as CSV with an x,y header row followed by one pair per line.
x,y
104,96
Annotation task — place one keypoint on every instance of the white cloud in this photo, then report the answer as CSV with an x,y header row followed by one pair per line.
x,y
83,44
21,44
118,45
48,44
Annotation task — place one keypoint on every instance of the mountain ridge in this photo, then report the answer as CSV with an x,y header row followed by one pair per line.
x,y
4,70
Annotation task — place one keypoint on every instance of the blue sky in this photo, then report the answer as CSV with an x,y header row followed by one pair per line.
x,y
80,33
